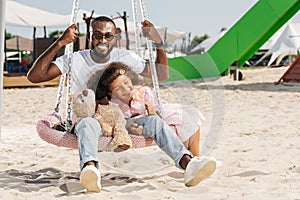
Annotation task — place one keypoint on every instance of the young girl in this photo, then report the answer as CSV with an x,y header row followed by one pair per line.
x,y
115,85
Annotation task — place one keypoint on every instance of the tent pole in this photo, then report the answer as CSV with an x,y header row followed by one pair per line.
x,y
5,54
2,38
45,32
34,44
124,17
165,35
88,24
18,48
188,51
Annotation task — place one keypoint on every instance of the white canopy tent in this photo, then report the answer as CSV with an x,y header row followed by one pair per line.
x,y
288,42
23,15
170,36
209,42
270,42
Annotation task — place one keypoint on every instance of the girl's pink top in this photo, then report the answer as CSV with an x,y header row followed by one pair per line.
x,y
185,119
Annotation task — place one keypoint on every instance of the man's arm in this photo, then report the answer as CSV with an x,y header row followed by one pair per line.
x,y
43,69
161,61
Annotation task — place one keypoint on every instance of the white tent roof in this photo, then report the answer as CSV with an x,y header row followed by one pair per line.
x,y
209,42
170,35
23,15
270,42
287,42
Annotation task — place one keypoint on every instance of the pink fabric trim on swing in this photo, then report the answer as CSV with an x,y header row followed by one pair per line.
x,y
66,139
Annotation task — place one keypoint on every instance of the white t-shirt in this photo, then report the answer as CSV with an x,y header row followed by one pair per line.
x,y
86,73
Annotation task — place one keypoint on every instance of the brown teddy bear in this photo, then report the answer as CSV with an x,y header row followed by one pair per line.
x,y
109,116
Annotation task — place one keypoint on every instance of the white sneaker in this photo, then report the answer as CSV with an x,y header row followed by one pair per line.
x,y
198,169
90,178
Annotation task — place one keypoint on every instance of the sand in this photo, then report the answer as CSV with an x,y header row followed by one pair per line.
x,y
252,128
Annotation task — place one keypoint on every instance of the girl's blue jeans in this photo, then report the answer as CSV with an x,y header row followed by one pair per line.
x,y
88,131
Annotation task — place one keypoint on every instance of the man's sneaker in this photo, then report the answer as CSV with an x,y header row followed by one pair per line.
x,y
198,169
90,178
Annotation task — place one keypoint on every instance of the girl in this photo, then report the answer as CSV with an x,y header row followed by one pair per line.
x,y
115,85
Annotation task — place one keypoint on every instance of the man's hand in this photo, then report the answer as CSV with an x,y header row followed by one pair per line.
x,y
161,62
70,35
150,32
135,129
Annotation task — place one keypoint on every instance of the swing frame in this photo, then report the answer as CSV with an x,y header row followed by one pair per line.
x,y
46,126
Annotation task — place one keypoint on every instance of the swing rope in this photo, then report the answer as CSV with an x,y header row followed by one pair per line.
x,y
68,52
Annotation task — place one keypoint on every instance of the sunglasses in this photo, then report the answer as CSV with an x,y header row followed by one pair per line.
x,y
98,36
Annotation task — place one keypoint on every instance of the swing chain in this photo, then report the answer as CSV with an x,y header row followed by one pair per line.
x,y
69,82
59,92
70,62
152,63
68,52
136,28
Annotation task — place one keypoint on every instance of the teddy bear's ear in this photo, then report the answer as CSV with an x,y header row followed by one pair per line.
x,y
85,92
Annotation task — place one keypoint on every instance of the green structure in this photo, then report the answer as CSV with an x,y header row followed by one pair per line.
x,y
239,43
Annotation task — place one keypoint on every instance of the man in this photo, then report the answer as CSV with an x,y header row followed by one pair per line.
x,y
86,70
102,40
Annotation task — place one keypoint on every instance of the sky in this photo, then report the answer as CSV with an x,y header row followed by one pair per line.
x,y
196,16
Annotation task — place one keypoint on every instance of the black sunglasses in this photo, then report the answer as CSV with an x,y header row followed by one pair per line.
x,y
98,36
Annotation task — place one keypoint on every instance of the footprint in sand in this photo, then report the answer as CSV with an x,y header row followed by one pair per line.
x,y
165,161
120,162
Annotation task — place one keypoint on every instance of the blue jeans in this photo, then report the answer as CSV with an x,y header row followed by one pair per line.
x,y
88,131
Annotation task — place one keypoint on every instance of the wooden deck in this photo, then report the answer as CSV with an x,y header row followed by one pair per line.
x,y
20,80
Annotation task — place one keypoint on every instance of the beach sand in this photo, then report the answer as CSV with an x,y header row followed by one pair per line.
x,y
252,128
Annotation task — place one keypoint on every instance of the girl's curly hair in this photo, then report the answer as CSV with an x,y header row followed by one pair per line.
x,y
112,71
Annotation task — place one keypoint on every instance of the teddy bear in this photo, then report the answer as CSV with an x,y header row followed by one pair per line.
x,y
110,118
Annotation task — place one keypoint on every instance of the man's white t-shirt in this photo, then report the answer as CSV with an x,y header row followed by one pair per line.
x,y
86,73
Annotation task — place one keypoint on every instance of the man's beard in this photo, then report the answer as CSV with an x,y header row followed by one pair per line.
x,y
101,55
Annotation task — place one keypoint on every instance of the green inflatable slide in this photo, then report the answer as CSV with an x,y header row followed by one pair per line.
x,y
238,44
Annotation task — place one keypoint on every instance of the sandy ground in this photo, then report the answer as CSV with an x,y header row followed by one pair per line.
x,y
252,127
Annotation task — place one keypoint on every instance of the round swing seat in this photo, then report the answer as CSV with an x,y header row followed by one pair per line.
x,y
46,131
